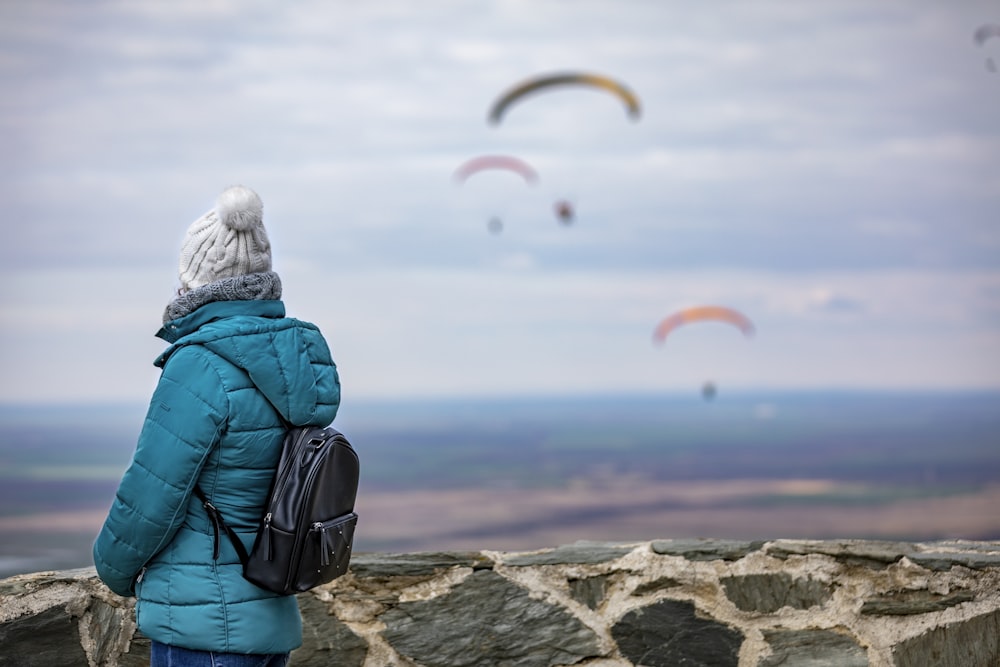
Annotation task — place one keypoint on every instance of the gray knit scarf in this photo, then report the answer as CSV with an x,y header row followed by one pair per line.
x,y
251,287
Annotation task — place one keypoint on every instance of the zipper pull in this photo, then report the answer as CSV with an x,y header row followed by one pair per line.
x,y
266,538
325,544
142,573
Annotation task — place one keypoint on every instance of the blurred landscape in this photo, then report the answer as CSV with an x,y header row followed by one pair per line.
x,y
827,171
527,473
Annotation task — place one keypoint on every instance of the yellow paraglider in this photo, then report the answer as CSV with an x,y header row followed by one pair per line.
x,y
701,313
532,85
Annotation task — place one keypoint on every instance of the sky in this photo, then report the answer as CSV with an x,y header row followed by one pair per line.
x,y
830,168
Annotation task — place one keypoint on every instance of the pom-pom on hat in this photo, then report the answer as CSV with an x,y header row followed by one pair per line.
x,y
226,242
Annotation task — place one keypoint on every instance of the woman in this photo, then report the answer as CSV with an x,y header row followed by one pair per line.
x,y
236,373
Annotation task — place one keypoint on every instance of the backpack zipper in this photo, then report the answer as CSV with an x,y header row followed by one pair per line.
x,y
325,530
266,539
324,543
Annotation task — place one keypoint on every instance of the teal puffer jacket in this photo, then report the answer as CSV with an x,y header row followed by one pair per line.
x,y
233,371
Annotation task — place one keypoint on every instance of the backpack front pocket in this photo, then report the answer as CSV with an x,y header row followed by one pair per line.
x,y
326,552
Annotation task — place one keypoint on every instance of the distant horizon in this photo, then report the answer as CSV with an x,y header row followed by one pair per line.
x,y
619,395
745,392
525,471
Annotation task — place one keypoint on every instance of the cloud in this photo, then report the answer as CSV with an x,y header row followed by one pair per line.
x,y
830,167
827,301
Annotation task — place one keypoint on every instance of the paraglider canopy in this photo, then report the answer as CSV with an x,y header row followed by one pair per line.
x,y
542,82
986,31
701,313
505,162
983,33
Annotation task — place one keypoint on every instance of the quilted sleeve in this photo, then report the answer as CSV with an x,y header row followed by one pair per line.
x,y
186,416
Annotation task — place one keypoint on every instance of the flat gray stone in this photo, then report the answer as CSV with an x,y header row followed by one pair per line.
x,y
942,561
670,634
906,603
47,639
656,585
767,593
706,549
326,640
22,584
812,648
589,591
106,626
488,620
578,553
138,652
875,554
971,643
964,545
417,564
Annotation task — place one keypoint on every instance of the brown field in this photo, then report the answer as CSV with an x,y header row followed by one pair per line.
x,y
612,510
454,476
636,510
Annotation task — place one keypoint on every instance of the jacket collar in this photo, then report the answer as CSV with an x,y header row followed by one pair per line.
x,y
174,330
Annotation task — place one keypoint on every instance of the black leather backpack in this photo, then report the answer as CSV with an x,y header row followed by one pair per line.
x,y
307,531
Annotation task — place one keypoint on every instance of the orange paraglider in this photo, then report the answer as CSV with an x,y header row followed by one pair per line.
x,y
534,84
701,313
505,162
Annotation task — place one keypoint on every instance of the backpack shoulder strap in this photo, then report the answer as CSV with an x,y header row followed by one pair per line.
x,y
218,525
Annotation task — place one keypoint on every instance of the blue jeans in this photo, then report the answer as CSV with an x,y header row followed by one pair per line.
x,y
165,655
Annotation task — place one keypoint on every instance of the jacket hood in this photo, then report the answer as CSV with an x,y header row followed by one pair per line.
x,y
287,359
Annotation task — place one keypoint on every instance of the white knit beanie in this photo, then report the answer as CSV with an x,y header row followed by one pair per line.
x,y
228,241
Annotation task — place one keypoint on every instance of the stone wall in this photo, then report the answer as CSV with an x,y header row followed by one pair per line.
x,y
691,603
